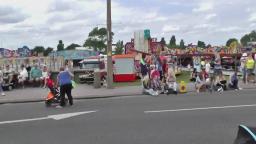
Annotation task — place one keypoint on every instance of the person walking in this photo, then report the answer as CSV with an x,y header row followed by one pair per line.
x,y
65,83
1,82
243,66
250,68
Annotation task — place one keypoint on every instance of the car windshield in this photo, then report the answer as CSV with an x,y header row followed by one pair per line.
x,y
89,65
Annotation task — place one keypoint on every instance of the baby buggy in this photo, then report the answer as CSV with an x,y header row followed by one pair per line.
x,y
152,83
53,97
8,82
221,86
170,88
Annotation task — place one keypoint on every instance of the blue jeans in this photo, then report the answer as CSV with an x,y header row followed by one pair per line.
x,y
244,74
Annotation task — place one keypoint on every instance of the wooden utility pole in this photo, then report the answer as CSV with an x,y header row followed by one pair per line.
x,y
109,47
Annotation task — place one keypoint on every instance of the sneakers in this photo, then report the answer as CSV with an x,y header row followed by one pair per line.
x,y
58,107
220,89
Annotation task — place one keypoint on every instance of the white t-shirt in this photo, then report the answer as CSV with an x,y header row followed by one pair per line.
x,y
23,73
44,74
243,61
208,67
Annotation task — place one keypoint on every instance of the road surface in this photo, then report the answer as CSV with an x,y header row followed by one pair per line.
x,y
176,119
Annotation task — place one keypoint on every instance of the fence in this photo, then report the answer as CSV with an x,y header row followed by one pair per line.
x,y
53,62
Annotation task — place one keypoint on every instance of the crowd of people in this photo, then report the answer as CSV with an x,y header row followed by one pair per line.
x,y
38,76
158,76
205,79
26,75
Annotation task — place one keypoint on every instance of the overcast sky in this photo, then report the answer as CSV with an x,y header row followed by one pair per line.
x,y
44,22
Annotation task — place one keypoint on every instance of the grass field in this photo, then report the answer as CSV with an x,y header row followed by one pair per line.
x,y
184,76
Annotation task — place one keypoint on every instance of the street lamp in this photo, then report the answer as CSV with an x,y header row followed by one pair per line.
x,y
109,47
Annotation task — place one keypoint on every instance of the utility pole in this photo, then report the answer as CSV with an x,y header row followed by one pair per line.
x,y
109,48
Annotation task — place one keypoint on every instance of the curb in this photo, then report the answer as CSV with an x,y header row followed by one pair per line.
x,y
84,98
75,98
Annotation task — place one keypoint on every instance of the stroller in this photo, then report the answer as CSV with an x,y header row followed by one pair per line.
x,y
152,83
170,85
170,88
7,84
221,86
53,97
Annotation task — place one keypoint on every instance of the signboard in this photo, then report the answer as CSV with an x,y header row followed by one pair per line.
x,y
140,43
74,54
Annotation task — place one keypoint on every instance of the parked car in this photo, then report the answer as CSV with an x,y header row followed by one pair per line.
x,y
88,67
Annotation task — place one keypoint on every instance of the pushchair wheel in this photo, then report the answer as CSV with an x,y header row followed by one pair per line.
x,y
48,103
9,87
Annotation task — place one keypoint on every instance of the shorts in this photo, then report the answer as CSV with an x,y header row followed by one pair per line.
x,y
217,72
250,71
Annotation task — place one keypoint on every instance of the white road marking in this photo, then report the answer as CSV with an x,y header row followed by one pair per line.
x,y
202,108
54,117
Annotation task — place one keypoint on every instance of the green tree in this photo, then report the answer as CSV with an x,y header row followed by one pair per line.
x,y
47,51
119,47
182,44
251,37
172,43
72,46
60,46
231,41
209,46
201,44
38,49
163,42
97,40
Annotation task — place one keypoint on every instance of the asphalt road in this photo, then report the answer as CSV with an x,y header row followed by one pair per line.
x,y
186,119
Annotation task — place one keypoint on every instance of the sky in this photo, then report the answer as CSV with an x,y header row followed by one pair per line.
x,y
45,22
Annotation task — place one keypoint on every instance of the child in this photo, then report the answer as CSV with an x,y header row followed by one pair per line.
x,y
233,84
155,78
50,83
171,82
199,82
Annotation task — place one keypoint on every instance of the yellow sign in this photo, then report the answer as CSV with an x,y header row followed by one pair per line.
x,y
183,87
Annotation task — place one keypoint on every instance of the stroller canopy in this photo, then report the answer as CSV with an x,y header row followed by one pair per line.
x,y
246,135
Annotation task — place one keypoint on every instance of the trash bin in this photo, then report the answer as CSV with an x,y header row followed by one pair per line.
x,y
183,87
97,80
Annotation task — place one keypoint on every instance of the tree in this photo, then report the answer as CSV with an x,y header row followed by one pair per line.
x,y
60,46
47,51
251,37
119,47
201,44
209,46
97,40
172,43
38,49
231,41
163,42
182,44
72,46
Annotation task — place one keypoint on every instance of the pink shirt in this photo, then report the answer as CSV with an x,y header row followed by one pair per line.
x,y
155,74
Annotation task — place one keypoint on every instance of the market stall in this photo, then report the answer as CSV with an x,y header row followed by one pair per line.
x,y
124,68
